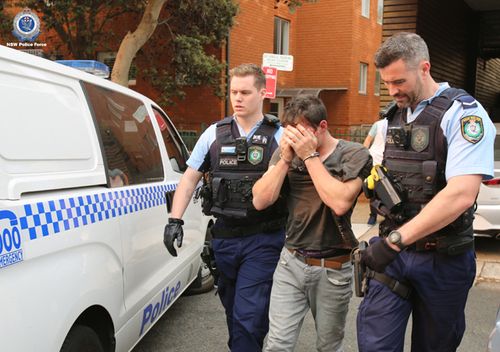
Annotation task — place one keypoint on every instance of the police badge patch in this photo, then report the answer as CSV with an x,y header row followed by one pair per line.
x,y
419,138
472,128
255,154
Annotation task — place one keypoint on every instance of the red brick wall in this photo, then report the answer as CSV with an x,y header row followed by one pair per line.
x,y
366,37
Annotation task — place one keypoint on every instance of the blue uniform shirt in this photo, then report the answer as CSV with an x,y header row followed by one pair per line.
x,y
202,147
464,157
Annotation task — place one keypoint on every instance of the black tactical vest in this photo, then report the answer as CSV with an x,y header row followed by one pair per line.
x,y
415,155
235,165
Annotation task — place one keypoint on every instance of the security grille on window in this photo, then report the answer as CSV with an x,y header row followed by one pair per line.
x,y
130,145
281,36
363,74
365,8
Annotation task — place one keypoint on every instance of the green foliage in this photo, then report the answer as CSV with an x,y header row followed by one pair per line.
x,y
192,30
180,53
80,25
294,4
5,20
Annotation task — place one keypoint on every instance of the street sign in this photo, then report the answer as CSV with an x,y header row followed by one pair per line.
x,y
281,62
271,80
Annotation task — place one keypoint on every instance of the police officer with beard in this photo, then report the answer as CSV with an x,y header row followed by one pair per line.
x,y
439,147
231,155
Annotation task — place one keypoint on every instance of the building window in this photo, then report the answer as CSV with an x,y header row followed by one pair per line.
x,y
365,8
363,74
281,36
377,83
380,11
109,57
131,150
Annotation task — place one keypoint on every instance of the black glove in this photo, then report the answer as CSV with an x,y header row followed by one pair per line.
x,y
378,255
173,230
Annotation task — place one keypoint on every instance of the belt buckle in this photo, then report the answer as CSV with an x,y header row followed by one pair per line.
x,y
429,246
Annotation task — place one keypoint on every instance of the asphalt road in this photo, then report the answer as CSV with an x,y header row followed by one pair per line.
x,y
197,323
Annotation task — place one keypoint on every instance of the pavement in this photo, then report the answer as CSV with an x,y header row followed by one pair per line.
x,y
487,249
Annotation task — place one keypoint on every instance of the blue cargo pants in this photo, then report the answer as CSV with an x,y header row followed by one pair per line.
x,y
246,266
440,284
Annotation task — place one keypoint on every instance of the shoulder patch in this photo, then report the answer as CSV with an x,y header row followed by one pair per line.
x,y
472,128
467,101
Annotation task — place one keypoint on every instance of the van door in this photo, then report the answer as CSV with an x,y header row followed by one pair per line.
x,y
134,161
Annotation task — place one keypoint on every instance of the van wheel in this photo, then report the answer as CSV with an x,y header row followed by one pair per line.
x,y
81,338
203,283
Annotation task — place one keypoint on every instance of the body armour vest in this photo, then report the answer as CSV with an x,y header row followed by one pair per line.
x,y
235,165
415,155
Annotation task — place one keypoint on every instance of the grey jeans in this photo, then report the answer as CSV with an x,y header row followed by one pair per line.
x,y
298,287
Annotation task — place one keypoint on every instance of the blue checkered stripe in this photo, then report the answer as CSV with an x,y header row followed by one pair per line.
x,y
54,216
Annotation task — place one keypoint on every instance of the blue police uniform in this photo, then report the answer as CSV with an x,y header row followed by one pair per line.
x,y
246,263
440,282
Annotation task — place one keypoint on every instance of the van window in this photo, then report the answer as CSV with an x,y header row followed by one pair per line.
x,y
131,149
176,150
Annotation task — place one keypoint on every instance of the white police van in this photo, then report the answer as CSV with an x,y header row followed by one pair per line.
x,y
87,173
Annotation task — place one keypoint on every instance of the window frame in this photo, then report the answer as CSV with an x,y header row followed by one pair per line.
x,y
363,78
365,8
281,40
377,83
380,11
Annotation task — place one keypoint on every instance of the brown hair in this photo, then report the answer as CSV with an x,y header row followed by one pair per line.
x,y
305,106
250,70
409,47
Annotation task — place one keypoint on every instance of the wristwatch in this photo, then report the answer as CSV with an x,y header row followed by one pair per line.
x,y
395,238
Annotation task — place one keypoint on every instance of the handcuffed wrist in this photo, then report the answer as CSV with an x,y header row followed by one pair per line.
x,y
312,155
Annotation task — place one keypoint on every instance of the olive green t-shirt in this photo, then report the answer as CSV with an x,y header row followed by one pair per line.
x,y
310,223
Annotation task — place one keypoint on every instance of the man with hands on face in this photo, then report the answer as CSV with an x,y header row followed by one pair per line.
x,y
322,178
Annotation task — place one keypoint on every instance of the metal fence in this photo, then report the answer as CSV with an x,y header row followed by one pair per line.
x,y
351,133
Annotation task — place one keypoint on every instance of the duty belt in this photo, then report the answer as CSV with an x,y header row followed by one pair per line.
x,y
336,262
451,244
229,231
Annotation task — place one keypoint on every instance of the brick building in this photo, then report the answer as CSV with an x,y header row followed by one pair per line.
x,y
332,43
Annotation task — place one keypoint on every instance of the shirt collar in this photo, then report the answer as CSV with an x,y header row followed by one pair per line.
x,y
412,115
252,131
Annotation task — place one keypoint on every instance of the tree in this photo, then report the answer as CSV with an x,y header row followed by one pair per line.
x,y
82,25
176,39
189,31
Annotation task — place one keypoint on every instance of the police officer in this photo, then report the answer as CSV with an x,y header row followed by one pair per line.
x,y
439,146
233,154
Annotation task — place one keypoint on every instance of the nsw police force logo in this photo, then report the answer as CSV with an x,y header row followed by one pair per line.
x,y
472,128
26,26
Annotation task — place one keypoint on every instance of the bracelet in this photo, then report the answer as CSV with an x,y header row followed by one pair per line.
x,y
286,161
312,155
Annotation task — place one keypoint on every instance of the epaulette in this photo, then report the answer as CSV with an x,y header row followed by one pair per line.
x,y
272,120
225,121
468,102
389,110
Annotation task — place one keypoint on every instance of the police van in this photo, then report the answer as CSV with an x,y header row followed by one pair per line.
x,y
88,169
